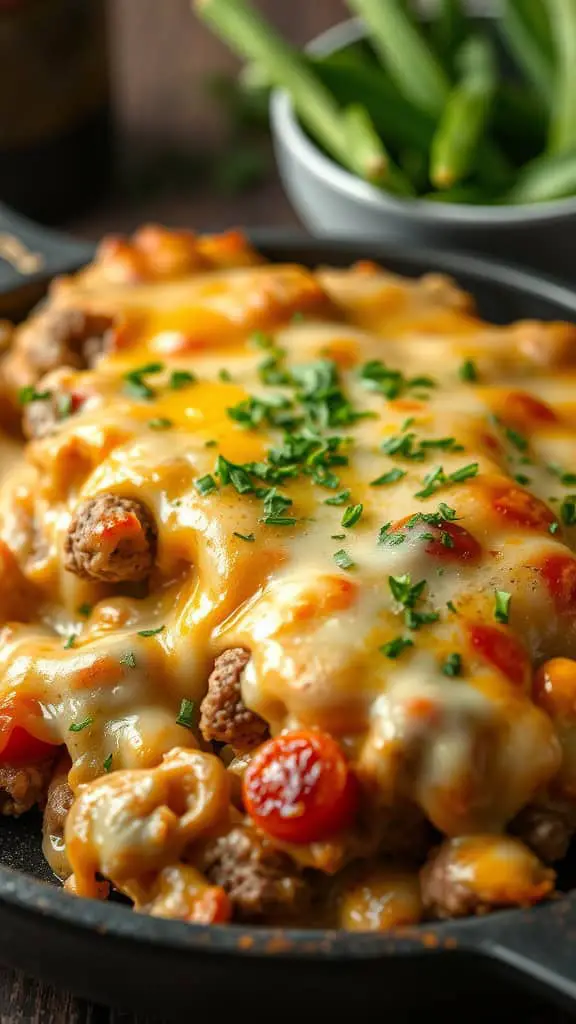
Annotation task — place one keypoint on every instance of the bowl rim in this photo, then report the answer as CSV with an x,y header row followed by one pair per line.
x,y
288,131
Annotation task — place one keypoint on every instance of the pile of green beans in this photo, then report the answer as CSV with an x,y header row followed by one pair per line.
x,y
423,108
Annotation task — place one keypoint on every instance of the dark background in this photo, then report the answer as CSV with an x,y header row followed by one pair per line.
x,y
168,119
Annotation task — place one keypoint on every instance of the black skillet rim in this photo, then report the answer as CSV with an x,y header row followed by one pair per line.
x,y
31,896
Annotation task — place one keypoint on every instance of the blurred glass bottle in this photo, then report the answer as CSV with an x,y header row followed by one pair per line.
x,y
55,116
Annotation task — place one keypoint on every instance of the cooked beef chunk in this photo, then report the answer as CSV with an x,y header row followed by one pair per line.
x,y
260,881
224,716
63,337
111,538
21,787
547,829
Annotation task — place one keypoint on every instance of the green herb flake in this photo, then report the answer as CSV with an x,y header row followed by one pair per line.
x,y
79,726
151,632
568,479
187,713
522,479
29,394
468,371
395,647
502,606
128,659
160,423
553,528
64,406
352,515
85,610
338,499
568,511
206,484
388,478
249,537
343,560
224,375
516,439
261,339
135,385
452,607
453,665
70,641
180,379
403,591
465,473
210,444
107,763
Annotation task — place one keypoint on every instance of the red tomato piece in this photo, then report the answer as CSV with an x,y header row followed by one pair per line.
x,y
299,788
503,650
449,541
559,572
521,508
524,411
17,745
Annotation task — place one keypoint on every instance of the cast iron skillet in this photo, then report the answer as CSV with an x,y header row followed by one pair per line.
x,y
106,953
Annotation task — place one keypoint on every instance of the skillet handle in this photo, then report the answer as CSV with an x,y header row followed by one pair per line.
x,y
30,253
540,944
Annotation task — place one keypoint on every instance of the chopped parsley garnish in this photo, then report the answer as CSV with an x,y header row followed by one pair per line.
x,y
522,479
337,536
78,726
85,610
151,632
403,444
388,478
261,339
107,763
224,375
206,484
414,619
343,560
553,528
465,473
516,439
29,394
211,443
160,423
70,641
187,713
568,479
135,385
408,422
128,659
338,499
297,317
437,478
352,515
453,665
502,606
468,371
245,536
180,379
230,473
568,510
64,406
403,591
452,607
395,647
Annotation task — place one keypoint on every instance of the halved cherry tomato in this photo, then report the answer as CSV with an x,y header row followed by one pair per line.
x,y
299,788
559,572
501,649
520,507
449,541
17,746
522,410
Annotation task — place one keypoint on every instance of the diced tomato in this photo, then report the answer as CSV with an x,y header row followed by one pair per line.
x,y
17,745
449,541
521,508
503,650
554,688
211,907
77,400
299,787
559,573
522,410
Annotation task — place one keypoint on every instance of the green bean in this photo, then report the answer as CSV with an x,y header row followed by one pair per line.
x,y
369,153
529,49
562,135
403,51
549,177
247,33
461,126
399,123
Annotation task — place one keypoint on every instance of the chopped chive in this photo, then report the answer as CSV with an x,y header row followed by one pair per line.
x,y
186,714
452,607
151,632
180,379
468,371
128,659
206,484
261,339
337,536
276,520
395,647
465,473
224,375
516,439
568,511
78,726
70,641
107,763
553,528
245,536
160,423
343,560
408,422
502,606
29,394
210,444
64,406
85,610
352,515
338,499
453,665
521,479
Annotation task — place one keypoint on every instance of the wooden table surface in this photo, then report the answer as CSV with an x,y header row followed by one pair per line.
x,y
161,57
